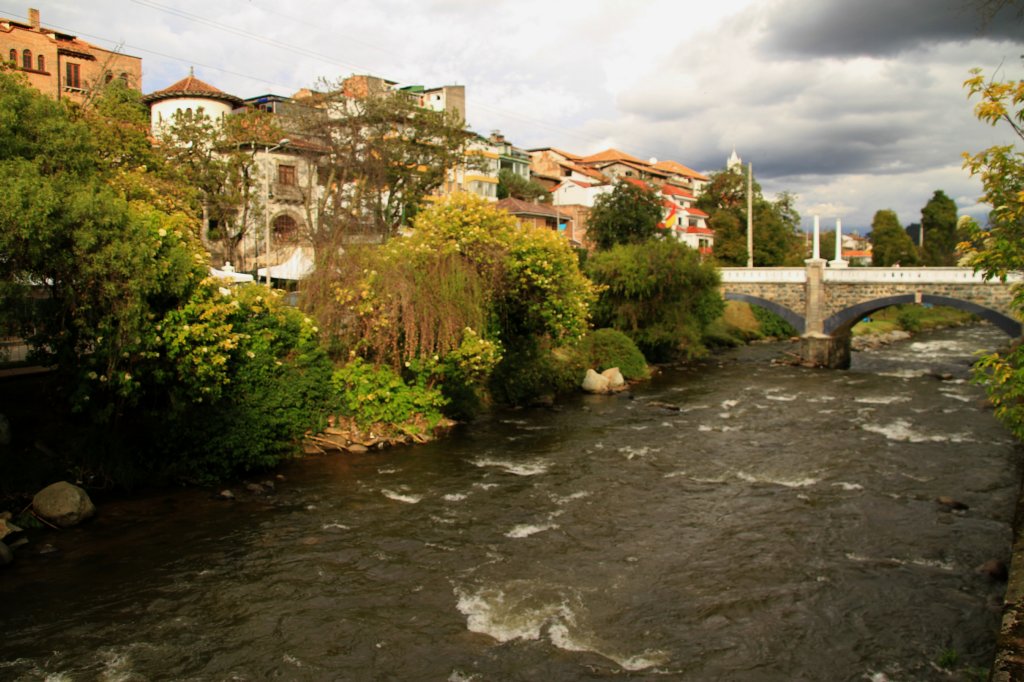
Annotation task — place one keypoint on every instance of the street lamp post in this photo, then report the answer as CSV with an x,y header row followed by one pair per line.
x,y
266,198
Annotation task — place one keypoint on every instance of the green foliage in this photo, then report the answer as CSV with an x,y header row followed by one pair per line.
x,y
604,348
516,186
532,371
373,394
659,293
890,243
147,348
275,385
772,324
999,249
938,220
777,240
629,214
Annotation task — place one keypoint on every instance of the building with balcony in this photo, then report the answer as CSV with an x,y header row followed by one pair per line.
x,y
61,65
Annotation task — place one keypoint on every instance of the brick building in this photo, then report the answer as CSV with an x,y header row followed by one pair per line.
x,y
59,64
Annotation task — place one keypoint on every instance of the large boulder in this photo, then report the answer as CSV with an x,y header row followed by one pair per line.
x,y
615,378
63,504
595,383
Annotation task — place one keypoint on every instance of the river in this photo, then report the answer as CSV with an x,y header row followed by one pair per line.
x,y
781,525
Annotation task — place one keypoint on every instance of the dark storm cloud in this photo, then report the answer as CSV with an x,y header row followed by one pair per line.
x,y
842,28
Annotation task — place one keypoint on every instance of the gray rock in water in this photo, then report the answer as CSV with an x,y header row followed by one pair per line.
x,y
63,504
595,383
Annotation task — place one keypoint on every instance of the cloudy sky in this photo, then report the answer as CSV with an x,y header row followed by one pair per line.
x,y
852,105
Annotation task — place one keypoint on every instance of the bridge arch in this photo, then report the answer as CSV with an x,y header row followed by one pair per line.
x,y
797,321
844,320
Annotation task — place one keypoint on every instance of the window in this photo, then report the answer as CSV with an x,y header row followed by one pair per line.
x,y
41,63
107,77
14,56
286,230
124,77
26,59
286,175
72,79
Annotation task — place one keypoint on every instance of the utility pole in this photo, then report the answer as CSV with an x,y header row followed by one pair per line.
x,y
750,215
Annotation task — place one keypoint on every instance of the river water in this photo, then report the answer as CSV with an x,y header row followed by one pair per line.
x,y
781,525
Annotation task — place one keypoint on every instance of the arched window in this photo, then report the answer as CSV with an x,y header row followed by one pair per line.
x,y
107,77
14,56
26,59
286,230
124,77
41,63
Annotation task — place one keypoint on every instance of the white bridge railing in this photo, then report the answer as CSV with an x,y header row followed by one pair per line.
x,y
860,276
763,275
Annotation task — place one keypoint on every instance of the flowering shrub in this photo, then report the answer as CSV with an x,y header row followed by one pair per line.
x,y
373,394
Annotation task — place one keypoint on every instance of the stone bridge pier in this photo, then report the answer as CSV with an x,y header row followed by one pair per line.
x,y
823,300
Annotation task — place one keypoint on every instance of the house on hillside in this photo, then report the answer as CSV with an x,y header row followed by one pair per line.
x,y
537,215
278,226
61,65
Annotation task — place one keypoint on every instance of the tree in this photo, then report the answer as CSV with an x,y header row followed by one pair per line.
x,y
114,292
219,160
516,186
659,293
891,245
938,220
998,249
776,223
379,156
629,214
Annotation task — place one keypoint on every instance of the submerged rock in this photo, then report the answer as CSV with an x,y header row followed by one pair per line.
x,y
950,504
994,569
63,504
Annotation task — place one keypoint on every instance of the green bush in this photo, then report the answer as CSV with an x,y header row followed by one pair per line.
x,y
277,387
604,348
719,334
532,370
910,318
373,394
772,324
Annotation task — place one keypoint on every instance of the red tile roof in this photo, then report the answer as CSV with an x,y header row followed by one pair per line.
x,y
679,169
634,181
697,213
520,207
674,191
612,155
190,86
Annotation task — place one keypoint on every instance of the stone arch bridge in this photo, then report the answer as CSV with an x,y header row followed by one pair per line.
x,y
824,303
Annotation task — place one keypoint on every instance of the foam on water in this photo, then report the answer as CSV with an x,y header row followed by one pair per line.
x,y
525,530
902,431
334,526
401,497
455,497
781,397
848,486
631,452
936,564
882,399
784,482
518,468
523,610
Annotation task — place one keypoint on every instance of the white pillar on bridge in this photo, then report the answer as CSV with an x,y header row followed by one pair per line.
x,y
839,262
816,248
